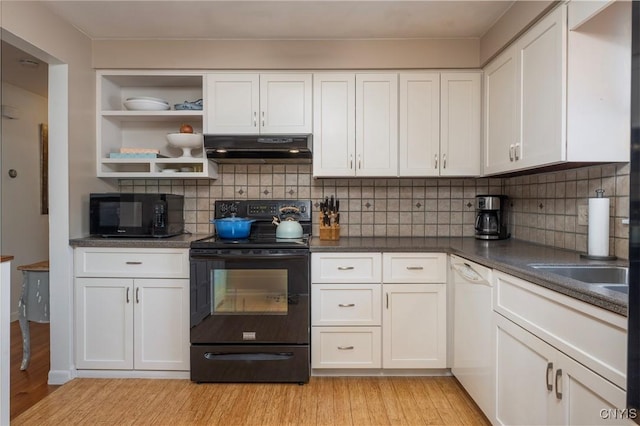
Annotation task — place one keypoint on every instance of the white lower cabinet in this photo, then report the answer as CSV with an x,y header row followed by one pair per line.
x,y
414,329
539,385
360,321
139,322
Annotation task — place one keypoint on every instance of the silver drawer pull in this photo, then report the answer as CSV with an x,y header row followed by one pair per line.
x,y
347,305
345,348
415,268
345,268
134,263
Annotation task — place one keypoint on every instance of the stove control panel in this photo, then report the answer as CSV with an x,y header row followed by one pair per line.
x,y
264,209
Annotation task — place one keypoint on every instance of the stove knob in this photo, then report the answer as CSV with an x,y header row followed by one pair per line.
x,y
233,208
303,209
223,208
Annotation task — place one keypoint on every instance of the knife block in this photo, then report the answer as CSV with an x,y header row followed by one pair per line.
x,y
329,233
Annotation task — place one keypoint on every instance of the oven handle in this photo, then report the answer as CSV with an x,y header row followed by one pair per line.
x,y
247,256
248,356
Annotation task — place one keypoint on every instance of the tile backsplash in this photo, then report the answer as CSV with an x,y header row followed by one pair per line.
x,y
544,206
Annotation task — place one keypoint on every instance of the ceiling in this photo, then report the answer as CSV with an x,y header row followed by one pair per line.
x,y
267,19
259,19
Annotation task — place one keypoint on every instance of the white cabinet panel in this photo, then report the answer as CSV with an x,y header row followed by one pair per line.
x,y
344,304
414,267
332,268
285,103
120,262
414,326
345,347
334,128
233,103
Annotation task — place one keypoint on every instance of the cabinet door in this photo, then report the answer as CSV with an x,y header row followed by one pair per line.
x,y
542,55
232,103
285,103
345,304
524,376
414,326
345,347
585,398
460,124
104,323
161,324
334,128
502,118
377,124
420,124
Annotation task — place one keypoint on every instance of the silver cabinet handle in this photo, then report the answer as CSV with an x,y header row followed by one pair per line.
x,y
359,162
255,118
137,294
558,387
351,162
444,161
346,305
345,348
511,152
345,268
516,152
548,379
262,118
387,297
134,263
128,295
415,268
435,161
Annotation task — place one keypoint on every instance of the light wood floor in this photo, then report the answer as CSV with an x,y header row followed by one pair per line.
x,y
29,386
323,401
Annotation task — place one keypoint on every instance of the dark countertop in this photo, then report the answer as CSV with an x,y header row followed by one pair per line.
x,y
510,256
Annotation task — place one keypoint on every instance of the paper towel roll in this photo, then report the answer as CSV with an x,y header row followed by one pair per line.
x,y
598,227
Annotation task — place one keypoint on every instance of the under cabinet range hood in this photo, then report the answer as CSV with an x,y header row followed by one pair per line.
x,y
259,148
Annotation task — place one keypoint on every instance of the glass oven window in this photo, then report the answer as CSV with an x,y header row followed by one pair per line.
x,y
254,291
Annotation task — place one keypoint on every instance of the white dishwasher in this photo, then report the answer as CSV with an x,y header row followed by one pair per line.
x,y
473,342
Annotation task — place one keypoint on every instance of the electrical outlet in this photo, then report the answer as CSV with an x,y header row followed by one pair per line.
x,y
583,215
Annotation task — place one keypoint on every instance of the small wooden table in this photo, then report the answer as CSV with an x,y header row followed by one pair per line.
x,y
33,304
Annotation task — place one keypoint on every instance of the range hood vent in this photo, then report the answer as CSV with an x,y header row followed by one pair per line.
x,y
259,148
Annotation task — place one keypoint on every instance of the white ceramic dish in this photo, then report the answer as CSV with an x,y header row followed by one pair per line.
x,y
145,105
147,98
186,141
169,170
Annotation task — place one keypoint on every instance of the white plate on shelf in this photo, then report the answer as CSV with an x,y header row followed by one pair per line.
x,y
145,105
169,170
147,98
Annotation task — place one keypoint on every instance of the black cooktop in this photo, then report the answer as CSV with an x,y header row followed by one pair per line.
x,y
263,232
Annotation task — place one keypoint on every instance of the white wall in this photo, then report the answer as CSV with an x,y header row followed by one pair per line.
x,y
29,26
25,231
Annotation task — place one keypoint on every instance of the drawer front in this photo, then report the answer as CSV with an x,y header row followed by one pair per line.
x,y
592,336
346,347
132,263
414,267
346,267
346,304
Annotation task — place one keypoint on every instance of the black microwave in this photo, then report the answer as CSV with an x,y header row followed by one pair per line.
x,y
136,215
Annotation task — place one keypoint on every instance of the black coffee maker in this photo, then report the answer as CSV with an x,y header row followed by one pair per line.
x,y
491,217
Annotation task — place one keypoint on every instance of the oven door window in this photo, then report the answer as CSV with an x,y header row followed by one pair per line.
x,y
252,291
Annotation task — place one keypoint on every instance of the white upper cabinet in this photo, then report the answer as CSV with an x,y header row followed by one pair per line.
x,y
355,125
440,124
246,103
557,96
334,124
376,125
420,124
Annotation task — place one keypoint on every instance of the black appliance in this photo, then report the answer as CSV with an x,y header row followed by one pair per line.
x,y
136,215
491,217
633,330
259,148
250,303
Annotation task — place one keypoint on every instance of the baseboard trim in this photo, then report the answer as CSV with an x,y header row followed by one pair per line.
x,y
60,377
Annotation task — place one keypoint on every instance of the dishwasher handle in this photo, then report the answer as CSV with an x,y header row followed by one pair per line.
x,y
468,273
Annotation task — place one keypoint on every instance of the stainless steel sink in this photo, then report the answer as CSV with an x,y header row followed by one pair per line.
x,y
595,274
621,288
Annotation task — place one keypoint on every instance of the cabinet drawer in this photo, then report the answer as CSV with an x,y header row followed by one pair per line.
x,y
346,267
346,347
592,336
132,263
345,304
414,267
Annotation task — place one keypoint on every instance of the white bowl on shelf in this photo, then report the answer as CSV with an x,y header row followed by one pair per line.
x,y
145,105
185,141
